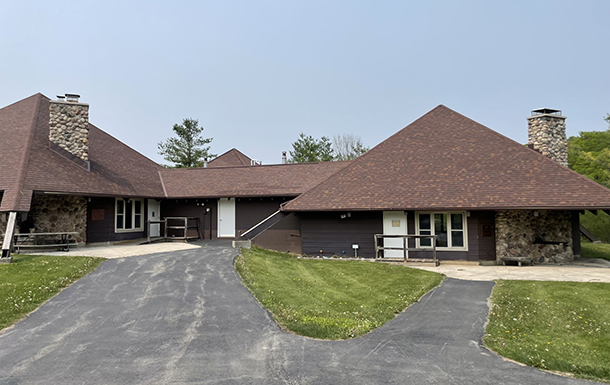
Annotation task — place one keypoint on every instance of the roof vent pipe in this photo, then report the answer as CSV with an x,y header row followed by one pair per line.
x,y
205,162
284,159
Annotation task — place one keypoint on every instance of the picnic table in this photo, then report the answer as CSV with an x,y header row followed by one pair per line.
x,y
43,240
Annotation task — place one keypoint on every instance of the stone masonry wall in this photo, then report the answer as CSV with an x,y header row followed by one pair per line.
x,y
516,231
69,127
547,133
3,220
53,213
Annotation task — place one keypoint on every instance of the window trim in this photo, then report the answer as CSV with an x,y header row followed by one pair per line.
x,y
449,229
133,215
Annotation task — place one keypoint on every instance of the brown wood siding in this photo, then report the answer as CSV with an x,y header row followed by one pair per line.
x,y
283,236
190,208
103,230
326,234
479,248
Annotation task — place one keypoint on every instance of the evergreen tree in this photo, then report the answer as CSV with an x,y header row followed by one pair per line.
x,y
308,149
188,148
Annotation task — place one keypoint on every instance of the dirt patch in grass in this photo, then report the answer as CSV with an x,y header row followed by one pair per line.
x,y
331,299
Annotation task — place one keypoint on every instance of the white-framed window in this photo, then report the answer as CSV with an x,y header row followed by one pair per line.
x,y
128,215
449,228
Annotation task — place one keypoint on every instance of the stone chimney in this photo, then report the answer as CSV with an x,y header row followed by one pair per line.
x,y
69,126
546,133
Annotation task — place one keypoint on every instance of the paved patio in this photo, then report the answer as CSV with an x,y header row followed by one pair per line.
x,y
583,270
122,251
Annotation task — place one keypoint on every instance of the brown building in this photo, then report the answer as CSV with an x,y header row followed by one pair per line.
x,y
481,195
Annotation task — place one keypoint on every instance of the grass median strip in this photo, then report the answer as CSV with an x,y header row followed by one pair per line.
x,y
331,299
558,326
31,280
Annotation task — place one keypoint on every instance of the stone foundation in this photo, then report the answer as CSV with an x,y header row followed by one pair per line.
x,y
517,230
56,213
3,220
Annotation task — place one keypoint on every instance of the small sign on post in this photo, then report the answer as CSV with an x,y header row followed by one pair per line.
x,y
355,247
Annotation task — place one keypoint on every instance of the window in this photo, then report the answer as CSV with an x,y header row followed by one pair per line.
x,y
128,214
449,228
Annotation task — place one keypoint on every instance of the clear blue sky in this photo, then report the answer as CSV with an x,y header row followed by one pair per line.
x,y
257,73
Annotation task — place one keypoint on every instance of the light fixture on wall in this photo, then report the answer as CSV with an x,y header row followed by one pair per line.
x,y
536,213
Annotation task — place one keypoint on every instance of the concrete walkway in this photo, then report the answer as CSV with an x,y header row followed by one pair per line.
x,y
583,270
185,318
122,251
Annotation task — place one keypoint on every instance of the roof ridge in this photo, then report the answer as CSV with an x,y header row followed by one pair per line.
x,y
539,154
359,159
259,166
22,171
128,146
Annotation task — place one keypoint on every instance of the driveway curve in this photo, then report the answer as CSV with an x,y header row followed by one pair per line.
x,y
186,318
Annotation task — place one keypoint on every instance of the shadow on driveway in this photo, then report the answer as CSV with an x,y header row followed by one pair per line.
x,y
185,317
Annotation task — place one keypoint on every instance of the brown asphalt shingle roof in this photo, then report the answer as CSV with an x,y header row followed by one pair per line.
x,y
231,158
247,181
17,123
447,161
27,163
441,161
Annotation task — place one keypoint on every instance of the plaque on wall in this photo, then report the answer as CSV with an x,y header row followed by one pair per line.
x,y
486,230
396,223
97,214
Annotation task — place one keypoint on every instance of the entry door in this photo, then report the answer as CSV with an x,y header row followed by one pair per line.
x,y
154,214
394,223
226,217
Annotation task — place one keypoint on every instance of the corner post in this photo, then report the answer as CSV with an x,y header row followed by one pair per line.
x,y
7,245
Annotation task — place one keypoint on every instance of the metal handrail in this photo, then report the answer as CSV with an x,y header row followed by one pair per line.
x,y
404,247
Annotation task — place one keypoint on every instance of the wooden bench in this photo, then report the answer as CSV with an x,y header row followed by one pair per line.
x,y
58,240
519,260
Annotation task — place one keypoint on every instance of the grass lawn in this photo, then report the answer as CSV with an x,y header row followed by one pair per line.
x,y
595,250
558,326
31,280
331,299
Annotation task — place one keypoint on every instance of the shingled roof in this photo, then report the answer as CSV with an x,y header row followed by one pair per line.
x,y
246,181
27,163
446,161
231,158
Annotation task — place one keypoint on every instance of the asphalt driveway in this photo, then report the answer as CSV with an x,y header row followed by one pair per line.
x,y
184,317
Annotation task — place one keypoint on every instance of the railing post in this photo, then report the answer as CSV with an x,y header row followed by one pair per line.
x,y
434,250
376,247
404,247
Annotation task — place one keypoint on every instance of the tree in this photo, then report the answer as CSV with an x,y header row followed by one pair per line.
x,y
589,155
348,147
309,149
189,148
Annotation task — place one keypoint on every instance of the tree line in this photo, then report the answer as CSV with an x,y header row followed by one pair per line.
x,y
188,147
589,155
